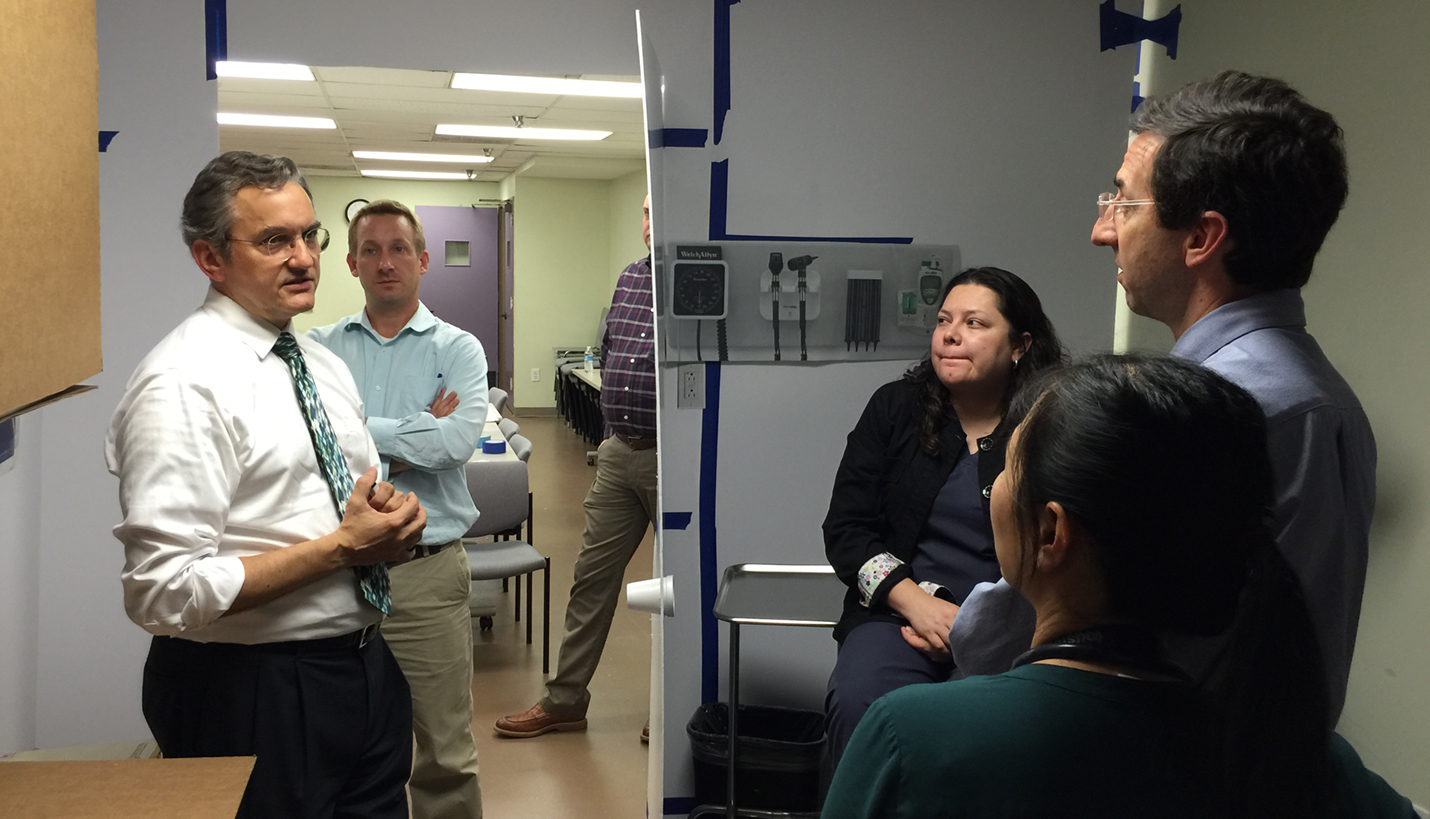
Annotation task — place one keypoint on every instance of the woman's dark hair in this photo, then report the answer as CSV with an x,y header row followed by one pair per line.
x,y
1023,311
1164,465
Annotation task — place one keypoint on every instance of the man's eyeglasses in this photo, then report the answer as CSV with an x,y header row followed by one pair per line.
x,y
1110,200
278,244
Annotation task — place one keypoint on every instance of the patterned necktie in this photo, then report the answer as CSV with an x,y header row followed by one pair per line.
x,y
372,579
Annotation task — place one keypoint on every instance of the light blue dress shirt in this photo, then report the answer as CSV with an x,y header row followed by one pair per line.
x,y
398,378
1322,456
1323,459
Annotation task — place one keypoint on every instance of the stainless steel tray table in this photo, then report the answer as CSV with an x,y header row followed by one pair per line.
x,y
768,594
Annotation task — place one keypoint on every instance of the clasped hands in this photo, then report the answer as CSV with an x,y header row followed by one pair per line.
x,y
380,525
929,618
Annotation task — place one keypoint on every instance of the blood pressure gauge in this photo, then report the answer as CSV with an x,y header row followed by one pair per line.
x,y
698,290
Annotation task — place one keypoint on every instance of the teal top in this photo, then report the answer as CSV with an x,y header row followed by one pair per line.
x,y
398,378
1049,741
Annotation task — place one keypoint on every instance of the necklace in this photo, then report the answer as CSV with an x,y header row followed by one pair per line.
x,y
1119,646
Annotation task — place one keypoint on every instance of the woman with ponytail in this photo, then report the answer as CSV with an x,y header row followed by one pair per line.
x,y
1133,507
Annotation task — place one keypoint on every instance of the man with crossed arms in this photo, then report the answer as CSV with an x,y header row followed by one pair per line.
x,y
424,384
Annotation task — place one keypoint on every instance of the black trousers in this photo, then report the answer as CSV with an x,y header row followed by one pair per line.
x,y
873,660
330,722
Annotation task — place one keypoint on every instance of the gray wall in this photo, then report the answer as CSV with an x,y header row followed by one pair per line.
x,y
151,90
19,586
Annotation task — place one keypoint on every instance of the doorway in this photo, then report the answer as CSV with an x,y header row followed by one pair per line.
x,y
464,275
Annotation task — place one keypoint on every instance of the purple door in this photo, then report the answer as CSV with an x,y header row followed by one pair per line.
x,y
461,282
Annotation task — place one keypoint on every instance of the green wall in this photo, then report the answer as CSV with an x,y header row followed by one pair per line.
x,y
627,194
562,256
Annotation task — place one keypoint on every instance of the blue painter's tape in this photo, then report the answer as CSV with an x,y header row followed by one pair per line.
x,y
719,208
674,520
1118,28
678,138
678,805
215,35
719,197
709,564
106,137
7,440
722,65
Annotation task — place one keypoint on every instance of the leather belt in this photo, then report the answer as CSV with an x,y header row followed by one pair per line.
x,y
427,550
353,639
637,443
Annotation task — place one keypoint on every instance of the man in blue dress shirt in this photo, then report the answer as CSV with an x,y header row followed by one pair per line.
x,y
424,386
1223,200
1244,178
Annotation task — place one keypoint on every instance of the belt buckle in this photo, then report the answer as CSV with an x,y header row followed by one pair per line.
x,y
367,634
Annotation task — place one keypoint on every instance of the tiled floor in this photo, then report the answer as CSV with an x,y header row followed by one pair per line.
x,y
600,772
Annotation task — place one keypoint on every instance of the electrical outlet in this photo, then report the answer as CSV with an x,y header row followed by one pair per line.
x,y
691,381
535,373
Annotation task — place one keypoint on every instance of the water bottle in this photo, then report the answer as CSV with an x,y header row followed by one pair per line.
x,y
590,358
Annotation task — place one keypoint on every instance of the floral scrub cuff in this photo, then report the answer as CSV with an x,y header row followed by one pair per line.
x,y
873,573
935,590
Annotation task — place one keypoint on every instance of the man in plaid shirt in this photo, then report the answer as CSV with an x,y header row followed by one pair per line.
x,y
619,507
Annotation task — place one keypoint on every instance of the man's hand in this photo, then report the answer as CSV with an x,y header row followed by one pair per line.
x,y
929,618
444,404
380,525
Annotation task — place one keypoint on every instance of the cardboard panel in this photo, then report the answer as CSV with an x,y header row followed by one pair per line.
x,y
205,788
50,223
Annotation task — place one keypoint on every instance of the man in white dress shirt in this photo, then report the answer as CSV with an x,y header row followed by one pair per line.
x,y
242,555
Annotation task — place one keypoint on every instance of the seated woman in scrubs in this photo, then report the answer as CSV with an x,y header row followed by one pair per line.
x,y
908,527
1134,504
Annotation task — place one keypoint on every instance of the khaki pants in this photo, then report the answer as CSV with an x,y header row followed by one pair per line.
x,y
430,633
619,508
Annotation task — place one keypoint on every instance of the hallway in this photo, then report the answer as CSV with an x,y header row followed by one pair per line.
x,y
597,773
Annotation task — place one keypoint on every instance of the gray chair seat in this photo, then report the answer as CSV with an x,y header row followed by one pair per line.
x,y
520,447
498,398
502,494
502,559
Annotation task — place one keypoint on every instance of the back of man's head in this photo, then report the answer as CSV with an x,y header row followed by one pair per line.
x,y
1252,149
208,206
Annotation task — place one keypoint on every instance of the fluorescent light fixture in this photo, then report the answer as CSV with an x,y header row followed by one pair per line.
x,y
267,121
263,71
394,156
416,174
546,85
508,132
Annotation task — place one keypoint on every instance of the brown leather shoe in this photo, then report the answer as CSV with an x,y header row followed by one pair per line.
x,y
534,721
645,733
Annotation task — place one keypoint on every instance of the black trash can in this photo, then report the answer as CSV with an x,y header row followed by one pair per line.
x,y
778,756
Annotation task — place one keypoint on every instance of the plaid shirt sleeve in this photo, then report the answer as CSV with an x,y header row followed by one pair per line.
x,y
628,356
